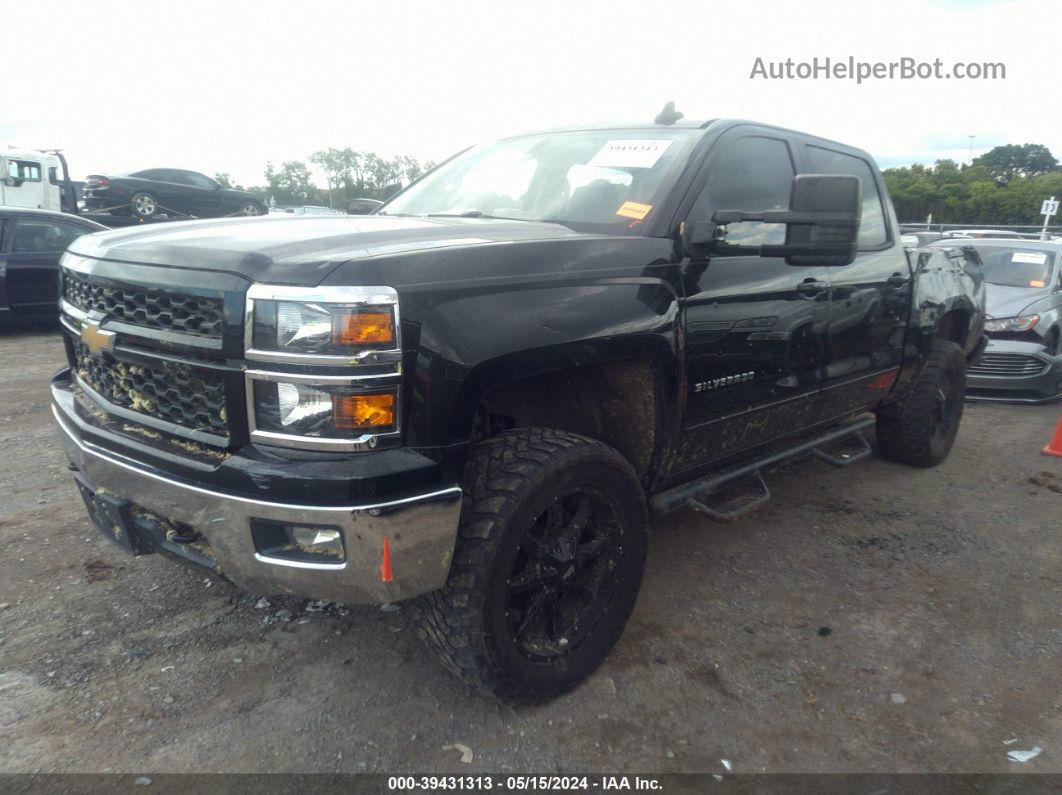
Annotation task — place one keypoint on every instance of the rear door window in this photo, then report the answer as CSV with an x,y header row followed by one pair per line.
x,y
872,230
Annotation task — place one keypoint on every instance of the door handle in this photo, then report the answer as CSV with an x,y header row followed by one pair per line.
x,y
811,287
897,280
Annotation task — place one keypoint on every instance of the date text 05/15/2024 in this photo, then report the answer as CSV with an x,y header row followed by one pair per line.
x,y
522,783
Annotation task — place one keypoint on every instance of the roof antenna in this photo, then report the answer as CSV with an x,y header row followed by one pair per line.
x,y
668,115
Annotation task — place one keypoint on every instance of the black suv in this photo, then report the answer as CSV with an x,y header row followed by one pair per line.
x,y
476,397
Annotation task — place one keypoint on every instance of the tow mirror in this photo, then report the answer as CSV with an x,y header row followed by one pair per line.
x,y
822,224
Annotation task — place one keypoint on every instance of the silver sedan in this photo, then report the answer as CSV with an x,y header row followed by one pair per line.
x,y
1023,281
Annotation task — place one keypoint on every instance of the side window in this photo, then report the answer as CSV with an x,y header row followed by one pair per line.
x,y
158,174
173,175
199,180
32,236
872,226
751,174
25,170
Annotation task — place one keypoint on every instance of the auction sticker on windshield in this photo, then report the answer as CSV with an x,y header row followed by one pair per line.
x,y
1029,257
635,210
630,154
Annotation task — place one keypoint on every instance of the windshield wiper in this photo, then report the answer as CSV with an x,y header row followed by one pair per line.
x,y
470,214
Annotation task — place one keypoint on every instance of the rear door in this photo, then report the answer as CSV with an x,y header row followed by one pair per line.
x,y
32,247
870,299
755,326
172,195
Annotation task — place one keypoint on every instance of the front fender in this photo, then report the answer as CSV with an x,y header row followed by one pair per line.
x,y
472,342
947,280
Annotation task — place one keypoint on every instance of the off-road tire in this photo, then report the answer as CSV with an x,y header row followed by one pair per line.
x,y
510,481
920,430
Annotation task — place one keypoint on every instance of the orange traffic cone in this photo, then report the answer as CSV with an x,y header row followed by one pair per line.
x,y
1054,447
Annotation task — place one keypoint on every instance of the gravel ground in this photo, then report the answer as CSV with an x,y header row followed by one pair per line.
x,y
877,618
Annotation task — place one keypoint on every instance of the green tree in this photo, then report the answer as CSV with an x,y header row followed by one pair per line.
x,y
412,169
353,175
1005,163
291,184
1003,187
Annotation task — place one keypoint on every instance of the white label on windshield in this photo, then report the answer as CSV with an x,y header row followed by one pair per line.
x,y
1029,257
629,154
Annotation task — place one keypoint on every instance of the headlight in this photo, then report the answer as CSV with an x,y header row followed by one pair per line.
x,y
322,328
322,412
1012,323
324,366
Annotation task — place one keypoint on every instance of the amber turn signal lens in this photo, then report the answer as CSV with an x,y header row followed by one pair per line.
x,y
357,412
367,327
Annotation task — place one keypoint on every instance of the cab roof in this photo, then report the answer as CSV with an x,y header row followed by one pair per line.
x,y
692,124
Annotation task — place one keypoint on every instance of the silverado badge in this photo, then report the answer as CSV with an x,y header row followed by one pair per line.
x,y
95,338
726,380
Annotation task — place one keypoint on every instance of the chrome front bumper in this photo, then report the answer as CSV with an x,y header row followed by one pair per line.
x,y
420,531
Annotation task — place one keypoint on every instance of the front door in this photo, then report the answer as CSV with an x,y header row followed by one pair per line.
x,y
755,326
204,196
24,185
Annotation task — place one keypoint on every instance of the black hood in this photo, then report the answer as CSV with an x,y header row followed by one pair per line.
x,y
300,250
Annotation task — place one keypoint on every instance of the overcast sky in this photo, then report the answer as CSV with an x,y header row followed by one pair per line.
x,y
226,86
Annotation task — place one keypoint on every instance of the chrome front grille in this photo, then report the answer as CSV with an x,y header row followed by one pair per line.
x,y
173,392
1014,365
156,309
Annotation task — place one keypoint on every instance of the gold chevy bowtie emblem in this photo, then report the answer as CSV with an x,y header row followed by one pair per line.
x,y
95,338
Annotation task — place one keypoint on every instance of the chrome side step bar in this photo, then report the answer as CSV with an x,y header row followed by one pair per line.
x,y
829,447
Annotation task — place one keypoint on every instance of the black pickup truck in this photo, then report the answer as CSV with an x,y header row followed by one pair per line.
x,y
475,398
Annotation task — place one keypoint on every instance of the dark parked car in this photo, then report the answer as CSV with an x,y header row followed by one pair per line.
x,y
1023,320
362,206
167,191
31,243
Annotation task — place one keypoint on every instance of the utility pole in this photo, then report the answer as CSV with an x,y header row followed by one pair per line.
x,y
971,137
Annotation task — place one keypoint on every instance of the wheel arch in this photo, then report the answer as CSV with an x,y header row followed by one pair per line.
x,y
955,325
622,391
619,401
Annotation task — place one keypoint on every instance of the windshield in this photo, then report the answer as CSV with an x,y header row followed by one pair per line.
x,y
591,180
1016,267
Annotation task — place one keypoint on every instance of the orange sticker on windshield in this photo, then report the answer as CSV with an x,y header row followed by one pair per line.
x,y
634,210
1037,283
